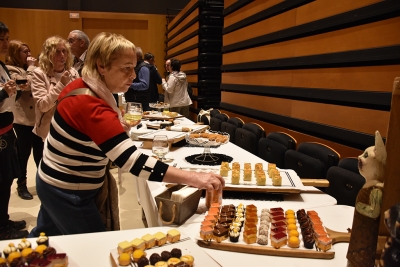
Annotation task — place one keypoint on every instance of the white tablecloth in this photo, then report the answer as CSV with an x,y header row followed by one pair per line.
x,y
86,250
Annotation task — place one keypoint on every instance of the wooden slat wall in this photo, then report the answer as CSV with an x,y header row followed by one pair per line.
x,y
33,26
319,70
191,37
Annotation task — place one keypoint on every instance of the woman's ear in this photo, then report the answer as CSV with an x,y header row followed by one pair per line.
x,y
100,67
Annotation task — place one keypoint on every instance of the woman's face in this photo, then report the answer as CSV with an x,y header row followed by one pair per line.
x,y
59,57
4,43
24,53
119,76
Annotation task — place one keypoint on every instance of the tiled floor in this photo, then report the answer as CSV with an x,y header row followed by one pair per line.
x,y
130,210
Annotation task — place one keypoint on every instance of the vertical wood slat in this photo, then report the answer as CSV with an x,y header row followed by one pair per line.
x,y
391,189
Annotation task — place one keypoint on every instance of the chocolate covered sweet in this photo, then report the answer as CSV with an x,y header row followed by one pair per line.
x,y
155,257
182,264
49,251
165,255
308,241
143,261
42,239
17,262
32,256
176,253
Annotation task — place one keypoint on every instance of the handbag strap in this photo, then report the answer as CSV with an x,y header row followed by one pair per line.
x,y
79,91
173,213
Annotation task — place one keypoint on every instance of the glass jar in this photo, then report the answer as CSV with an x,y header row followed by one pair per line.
x,y
214,196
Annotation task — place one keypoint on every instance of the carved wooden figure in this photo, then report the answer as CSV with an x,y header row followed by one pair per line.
x,y
364,232
391,253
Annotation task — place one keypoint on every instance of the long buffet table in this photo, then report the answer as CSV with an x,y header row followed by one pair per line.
x,y
94,249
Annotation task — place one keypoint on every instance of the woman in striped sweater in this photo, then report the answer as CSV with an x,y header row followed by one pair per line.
x,y
85,133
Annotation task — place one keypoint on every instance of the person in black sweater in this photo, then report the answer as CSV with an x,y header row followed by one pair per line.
x,y
155,77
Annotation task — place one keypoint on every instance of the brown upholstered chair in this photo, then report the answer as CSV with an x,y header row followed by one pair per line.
x,y
274,146
248,136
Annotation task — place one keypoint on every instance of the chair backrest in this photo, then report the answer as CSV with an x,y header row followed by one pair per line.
x,y
215,124
283,138
248,136
350,164
311,160
214,112
222,116
272,151
344,185
230,127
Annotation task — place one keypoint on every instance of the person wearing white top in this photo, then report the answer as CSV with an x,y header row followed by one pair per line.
x,y
176,90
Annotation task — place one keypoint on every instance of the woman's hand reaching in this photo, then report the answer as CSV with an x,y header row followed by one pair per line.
x,y
10,87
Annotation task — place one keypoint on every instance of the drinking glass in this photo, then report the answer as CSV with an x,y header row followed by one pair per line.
x,y
160,146
133,112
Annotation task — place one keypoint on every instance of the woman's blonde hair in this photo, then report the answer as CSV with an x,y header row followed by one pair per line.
x,y
104,47
13,58
48,51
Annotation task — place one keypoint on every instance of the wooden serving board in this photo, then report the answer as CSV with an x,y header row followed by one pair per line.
x,y
283,251
160,117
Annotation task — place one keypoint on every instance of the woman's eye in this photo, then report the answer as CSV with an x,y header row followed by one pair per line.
x,y
366,155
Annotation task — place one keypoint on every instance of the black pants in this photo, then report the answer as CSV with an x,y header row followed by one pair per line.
x,y
5,193
27,141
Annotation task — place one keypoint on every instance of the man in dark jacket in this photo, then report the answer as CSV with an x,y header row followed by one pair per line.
x,y
139,89
155,77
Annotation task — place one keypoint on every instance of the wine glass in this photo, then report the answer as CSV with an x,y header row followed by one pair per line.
x,y
133,112
160,146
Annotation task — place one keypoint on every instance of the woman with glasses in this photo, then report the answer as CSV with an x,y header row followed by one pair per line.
x,y
48,80
20,63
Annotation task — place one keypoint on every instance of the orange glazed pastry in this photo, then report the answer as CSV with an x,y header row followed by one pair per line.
x,y
293,242
124,259
207,223
206,232
250,236
324,243
250,226
251,208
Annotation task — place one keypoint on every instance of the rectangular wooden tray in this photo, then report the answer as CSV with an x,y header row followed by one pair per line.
x,y
290,185
283,251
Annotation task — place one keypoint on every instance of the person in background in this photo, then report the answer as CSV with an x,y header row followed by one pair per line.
x,y
176,90
167,68
139,89
155,77
20,64
69,177
79,42
48,80
9,164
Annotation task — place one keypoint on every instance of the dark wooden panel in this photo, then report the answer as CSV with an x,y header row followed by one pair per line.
x,y
190,66
370,78
270,12
359,99
185,55
232,7
192,78
248,10
344,151
277,23
333,115
190,30
354,38
185,22
324,8
193,41
368,14
192,5
355,139
367,57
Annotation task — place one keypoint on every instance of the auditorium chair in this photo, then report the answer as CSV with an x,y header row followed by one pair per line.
x,y
230,127
214,112
311,160
345,181
248,136
274,146
217,120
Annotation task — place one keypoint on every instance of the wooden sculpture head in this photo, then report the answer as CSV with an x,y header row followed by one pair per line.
x,y
371,163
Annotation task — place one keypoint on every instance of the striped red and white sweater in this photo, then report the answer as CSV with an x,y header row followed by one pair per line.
x,y
85,133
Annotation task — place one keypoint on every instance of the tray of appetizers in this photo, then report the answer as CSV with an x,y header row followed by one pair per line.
x,y
248,177
174,134
160,249
209,138
165,115
272,232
